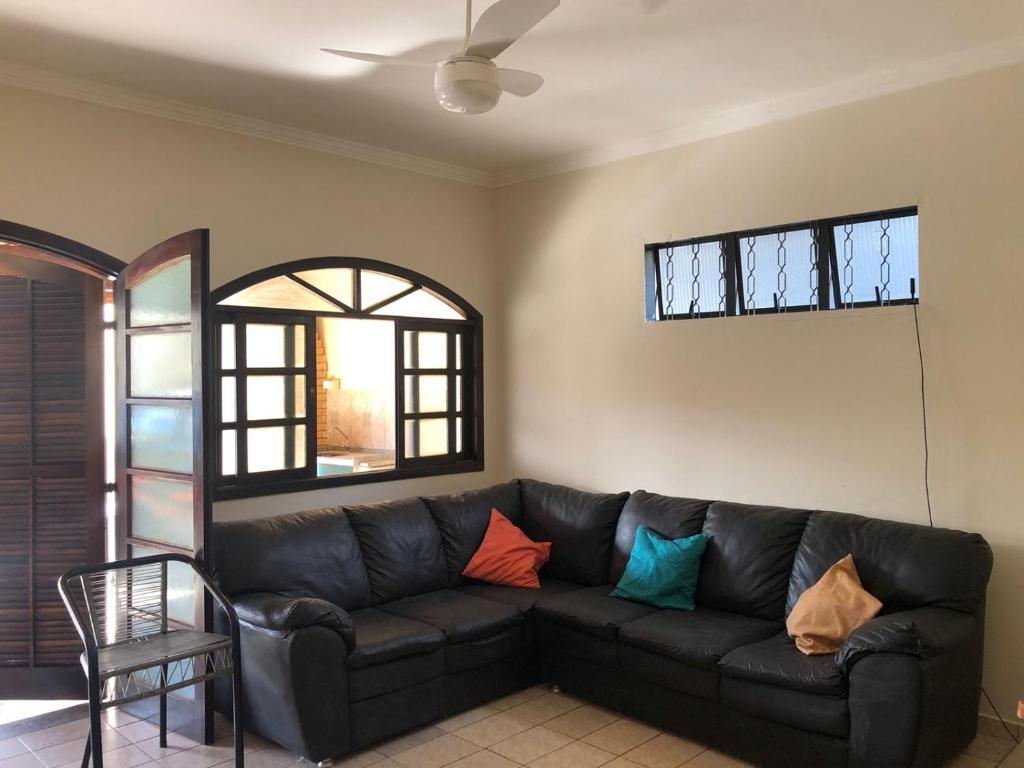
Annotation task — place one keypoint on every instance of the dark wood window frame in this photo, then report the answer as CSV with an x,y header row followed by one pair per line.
x,y
829,293
470,330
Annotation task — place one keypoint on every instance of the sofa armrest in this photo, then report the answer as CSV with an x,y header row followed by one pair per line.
x,y
919,632
286,614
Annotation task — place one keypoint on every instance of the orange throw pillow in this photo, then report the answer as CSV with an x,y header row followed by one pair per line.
x,y
507,555
827,613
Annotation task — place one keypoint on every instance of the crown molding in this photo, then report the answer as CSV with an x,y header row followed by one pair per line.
x,y
122,98
707,125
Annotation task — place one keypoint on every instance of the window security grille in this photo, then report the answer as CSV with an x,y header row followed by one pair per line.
x,y
866,260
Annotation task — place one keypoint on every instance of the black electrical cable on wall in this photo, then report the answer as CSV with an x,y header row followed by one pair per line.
x,y
927,488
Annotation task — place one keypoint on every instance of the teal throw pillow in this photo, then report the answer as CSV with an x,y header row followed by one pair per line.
x,y
662,572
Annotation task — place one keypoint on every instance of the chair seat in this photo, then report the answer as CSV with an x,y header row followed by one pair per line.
x,y
154,650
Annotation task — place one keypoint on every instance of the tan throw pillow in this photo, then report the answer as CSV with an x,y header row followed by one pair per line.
x,y
828,612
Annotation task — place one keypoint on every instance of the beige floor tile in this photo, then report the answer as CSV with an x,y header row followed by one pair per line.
x,y
283,757
468,717
545,707
484,759
530,745
409,740
712,759
116,717
970,761
578,722
129,756
437,752
24,760
621,762
989,747
520,697
11,747
621,736
664,751
360,759
197,757
57,734
175,743
493,729
252,760
68,752
140,730
574,755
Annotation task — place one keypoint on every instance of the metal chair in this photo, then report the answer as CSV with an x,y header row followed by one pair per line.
x,y
132,650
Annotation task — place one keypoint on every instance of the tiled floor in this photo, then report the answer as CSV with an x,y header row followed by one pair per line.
x,y
535,727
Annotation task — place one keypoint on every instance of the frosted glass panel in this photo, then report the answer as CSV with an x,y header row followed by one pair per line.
x,y
275,346
227,346
426,349
339,283
376,287
426,394
426,437
420,304
180,587
274,448
162,510
279,293
228,452
161,437
458,351
458,435
275,397
228,397
164,297
458,393
161,364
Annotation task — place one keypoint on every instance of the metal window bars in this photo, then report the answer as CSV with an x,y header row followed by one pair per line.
x,y
135,650
842,260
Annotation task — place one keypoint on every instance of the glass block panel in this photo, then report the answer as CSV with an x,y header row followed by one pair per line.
x,y
275,397
161,437
228,452
376,287
863,249
162,510
228,397
275,346
180,587
339,283
227,346
275,448
710,292
426,394
279,293
164,297
426,437
161,364
421,303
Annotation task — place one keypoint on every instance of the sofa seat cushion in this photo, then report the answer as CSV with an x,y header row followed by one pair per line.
x,y
592,611
518,597
829,715
472,654
382,637
461,617
700,637
777,662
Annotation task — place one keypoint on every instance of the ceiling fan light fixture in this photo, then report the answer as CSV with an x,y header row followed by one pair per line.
x,y
467,85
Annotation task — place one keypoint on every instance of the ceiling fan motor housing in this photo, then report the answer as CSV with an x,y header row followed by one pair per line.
x,y
467,85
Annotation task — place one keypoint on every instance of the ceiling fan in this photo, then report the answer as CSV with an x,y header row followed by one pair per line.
x,y
469,82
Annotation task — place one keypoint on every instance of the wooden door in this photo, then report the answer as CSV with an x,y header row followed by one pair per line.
x,y
51,468
162,305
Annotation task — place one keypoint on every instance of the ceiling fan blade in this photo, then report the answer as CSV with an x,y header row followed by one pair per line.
x,y
519,83
504,23
399,61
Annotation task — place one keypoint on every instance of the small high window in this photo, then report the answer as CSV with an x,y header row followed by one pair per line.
x,y
335,371
868,260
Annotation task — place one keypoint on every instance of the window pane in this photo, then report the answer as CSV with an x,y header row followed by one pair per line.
x,y
275,346
458,435
376,287
227,346
420,304
279,293
162,510
272,448
164,297
709,293
180,587
228,395
426,437
781,268
458,393
859,250
458,351
339,283
161,437
426,394
161,364
275,397
228,452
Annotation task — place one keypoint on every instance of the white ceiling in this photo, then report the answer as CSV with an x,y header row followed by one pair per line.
x,y
622,76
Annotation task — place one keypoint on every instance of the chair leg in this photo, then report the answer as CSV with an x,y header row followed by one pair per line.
x,y
86,753
236,713
163,708
95,728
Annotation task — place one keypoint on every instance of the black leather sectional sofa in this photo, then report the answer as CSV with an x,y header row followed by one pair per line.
x,y
357,625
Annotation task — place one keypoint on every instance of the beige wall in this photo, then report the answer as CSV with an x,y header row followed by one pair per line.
x,y
812,411
121,181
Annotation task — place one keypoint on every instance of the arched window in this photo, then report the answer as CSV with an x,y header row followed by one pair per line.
x,y
337,370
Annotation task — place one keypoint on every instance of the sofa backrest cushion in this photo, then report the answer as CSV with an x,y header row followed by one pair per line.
x,y
579,525
401,547
462,519
305,554
749,558
668,516
902,564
